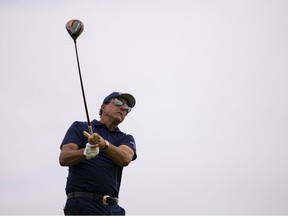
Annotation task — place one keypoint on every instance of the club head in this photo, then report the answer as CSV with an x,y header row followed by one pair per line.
x,y
74,28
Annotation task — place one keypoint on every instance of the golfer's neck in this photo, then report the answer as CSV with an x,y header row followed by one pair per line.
x,y
110,123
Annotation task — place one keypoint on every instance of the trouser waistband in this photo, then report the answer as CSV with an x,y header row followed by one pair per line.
x,y
106,199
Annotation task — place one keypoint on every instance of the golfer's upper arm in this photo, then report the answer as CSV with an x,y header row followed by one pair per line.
x,y
70,154
69,146
129,152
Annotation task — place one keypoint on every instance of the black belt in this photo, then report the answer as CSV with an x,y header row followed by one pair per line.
x,y
106,199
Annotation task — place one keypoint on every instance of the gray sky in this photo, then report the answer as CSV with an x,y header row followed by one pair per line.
x,y
210,79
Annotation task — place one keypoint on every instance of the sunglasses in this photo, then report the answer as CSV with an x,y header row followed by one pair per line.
x,y
118,102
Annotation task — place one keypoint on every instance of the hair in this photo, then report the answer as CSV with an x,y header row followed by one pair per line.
x,y
100,111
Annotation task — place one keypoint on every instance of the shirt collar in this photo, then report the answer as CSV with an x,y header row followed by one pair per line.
x,y
98,123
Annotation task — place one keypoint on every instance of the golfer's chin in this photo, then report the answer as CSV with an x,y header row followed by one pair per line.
x,y
119,117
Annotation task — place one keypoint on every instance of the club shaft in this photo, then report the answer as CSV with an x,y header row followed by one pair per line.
x,y
83,92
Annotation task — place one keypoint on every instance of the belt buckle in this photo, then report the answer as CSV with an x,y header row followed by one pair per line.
x,y
104,199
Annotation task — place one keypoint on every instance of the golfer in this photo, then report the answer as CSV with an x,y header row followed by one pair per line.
x,y
96,160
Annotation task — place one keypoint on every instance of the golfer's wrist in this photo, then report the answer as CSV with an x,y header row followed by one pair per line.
x,y
106,144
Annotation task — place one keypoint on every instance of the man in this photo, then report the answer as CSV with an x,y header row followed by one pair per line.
x,y
96,161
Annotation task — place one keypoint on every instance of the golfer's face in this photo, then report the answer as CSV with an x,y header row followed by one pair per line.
x,y
117,109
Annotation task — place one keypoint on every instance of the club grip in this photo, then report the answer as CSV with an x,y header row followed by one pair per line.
x,y
90,129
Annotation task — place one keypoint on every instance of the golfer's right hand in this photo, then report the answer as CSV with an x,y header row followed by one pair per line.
x,y
90,150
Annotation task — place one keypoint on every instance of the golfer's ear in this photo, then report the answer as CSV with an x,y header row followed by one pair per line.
x,y
102,106
101,109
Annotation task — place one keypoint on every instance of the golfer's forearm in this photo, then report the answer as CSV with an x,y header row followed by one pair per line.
x,y
70,157
119,156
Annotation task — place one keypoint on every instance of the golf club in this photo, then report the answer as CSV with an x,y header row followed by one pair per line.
x,y
75,28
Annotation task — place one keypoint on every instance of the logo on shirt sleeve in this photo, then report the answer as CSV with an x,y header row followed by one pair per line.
x,y
133,144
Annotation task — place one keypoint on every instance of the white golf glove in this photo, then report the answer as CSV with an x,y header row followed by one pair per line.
x,y
90,152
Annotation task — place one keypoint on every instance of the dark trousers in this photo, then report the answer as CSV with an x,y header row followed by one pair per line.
x,y
86,206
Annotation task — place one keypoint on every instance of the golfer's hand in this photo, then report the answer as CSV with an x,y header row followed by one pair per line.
x,y
92,148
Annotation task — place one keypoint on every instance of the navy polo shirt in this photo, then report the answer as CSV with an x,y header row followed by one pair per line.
x,y
100,174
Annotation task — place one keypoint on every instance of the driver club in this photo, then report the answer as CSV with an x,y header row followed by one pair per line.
x,y
75,28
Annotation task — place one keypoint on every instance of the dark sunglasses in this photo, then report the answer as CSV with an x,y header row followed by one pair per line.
x,y
118,102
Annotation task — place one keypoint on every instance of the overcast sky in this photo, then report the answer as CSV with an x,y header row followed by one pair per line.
x,y
210,79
